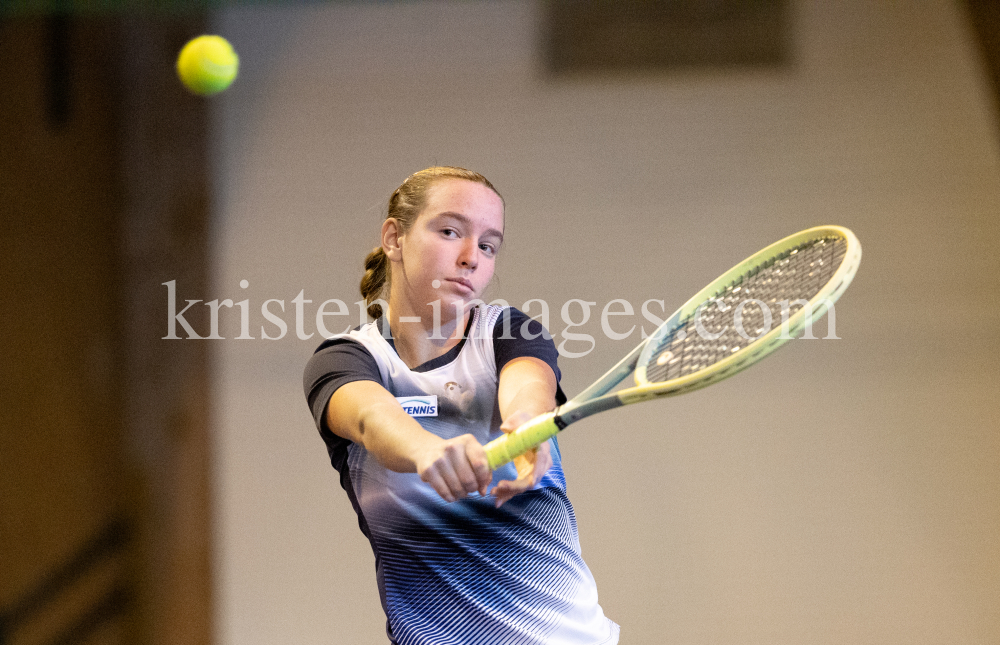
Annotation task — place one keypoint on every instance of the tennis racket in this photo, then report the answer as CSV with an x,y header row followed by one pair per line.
x,y
744,315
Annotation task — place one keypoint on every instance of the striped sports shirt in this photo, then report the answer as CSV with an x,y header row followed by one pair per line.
x,y
461,572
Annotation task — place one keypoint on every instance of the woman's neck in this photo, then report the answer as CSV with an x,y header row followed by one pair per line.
x,y
421,336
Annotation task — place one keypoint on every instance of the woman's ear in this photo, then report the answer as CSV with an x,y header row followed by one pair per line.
x,y
390,240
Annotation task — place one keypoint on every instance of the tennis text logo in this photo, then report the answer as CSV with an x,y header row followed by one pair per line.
x,y
419,406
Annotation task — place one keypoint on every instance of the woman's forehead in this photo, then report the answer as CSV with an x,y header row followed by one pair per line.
x,y
467,200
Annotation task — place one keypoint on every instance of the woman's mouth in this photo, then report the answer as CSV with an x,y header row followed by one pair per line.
x,y
462,281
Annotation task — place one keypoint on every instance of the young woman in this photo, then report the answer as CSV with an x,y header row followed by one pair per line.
x,y
405,404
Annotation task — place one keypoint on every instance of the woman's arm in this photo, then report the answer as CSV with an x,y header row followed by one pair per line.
x,y
527,388
527,384
367,414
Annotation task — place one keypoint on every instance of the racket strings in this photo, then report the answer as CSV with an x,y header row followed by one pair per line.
x,y
752,304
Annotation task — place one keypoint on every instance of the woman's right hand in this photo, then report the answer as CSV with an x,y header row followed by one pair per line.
x,y
366,413
455,467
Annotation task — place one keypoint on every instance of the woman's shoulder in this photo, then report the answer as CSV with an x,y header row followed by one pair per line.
x,y
360,348
367,335
516,335
512,324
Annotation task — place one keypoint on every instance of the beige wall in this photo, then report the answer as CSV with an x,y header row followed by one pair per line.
x,y
840,492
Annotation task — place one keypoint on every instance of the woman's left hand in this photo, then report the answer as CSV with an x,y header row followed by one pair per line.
x,y
531,466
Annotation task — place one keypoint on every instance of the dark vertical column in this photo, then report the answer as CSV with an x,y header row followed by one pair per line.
x,y
104,196
163,141
985,18
64,474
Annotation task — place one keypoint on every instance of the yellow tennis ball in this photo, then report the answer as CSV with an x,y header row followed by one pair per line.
x,y
207,65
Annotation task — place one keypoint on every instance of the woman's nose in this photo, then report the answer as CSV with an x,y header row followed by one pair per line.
x,y
469,256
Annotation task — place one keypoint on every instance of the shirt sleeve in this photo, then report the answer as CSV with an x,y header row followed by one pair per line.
x,y
336,363
516,335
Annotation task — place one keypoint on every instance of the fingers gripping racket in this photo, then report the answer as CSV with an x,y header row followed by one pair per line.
x,y
741,317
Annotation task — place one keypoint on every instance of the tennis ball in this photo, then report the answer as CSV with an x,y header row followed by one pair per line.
x,y
207,65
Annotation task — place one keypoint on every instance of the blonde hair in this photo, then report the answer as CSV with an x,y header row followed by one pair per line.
x,y
405,205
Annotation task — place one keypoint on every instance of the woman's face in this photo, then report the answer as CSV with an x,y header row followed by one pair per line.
x,y
449,252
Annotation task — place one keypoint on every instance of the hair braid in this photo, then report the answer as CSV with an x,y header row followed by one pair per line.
x,y
373,282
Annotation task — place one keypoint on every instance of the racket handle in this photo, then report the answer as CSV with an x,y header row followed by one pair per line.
x,y
533,433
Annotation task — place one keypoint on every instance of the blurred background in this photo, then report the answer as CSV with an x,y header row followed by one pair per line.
x,y
174,490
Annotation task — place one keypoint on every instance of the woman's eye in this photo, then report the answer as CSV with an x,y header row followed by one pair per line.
x,y
449,232
487,249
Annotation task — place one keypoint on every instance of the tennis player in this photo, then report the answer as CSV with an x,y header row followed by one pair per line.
x,y
405,404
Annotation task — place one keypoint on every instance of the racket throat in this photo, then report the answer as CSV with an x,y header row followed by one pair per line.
x,y
572,411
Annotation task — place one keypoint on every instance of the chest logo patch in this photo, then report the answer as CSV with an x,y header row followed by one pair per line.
x,y
419,406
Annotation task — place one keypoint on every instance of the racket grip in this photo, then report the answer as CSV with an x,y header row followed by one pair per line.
x,y
533,433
